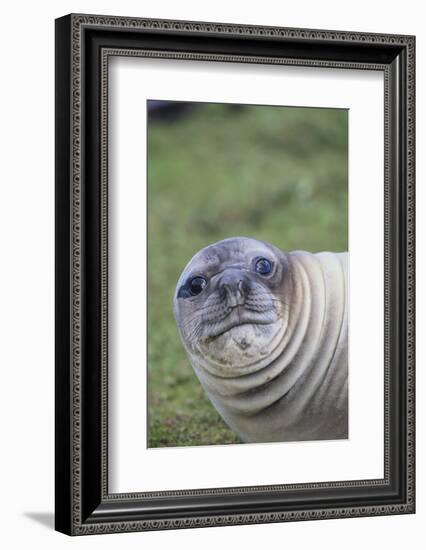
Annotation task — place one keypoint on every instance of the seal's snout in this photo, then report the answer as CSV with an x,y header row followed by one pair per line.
x,y
233,287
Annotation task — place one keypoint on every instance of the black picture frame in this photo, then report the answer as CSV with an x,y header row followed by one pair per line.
x,y
83,45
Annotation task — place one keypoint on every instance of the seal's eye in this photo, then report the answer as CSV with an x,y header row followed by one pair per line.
x,y
196,285
263,266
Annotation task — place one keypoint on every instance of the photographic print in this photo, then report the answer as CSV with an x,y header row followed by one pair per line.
x,y
247,273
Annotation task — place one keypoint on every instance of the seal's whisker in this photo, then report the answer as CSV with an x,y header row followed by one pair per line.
x,y
209,305
195,334
197,318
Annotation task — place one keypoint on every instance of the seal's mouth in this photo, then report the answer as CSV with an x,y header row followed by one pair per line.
x,y
238,317
232,326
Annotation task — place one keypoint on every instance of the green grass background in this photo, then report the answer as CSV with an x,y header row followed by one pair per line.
x,y
273,173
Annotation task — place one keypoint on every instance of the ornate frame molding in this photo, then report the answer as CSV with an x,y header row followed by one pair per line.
x,y
76,510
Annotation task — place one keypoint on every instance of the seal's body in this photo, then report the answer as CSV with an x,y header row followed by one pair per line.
x,y
266,333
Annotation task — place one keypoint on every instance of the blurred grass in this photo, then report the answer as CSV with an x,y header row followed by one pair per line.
x,y
273,173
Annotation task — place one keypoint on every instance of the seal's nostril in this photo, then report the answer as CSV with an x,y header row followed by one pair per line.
x,y
230,295
234,287
234,292
242,287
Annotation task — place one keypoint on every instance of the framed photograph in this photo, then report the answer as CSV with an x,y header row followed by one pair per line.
x,y
234,274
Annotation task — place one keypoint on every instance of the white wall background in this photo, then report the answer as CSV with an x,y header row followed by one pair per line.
x,y
26,289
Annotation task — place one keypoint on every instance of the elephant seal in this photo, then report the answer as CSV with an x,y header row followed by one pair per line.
x,y
266,332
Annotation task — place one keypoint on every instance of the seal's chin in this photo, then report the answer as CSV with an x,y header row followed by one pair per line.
x,y
237,321
241,343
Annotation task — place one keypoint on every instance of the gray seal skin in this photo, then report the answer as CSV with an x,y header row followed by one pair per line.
x,y
266,332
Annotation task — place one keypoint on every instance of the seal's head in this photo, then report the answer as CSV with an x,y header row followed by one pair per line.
x,y
229,305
